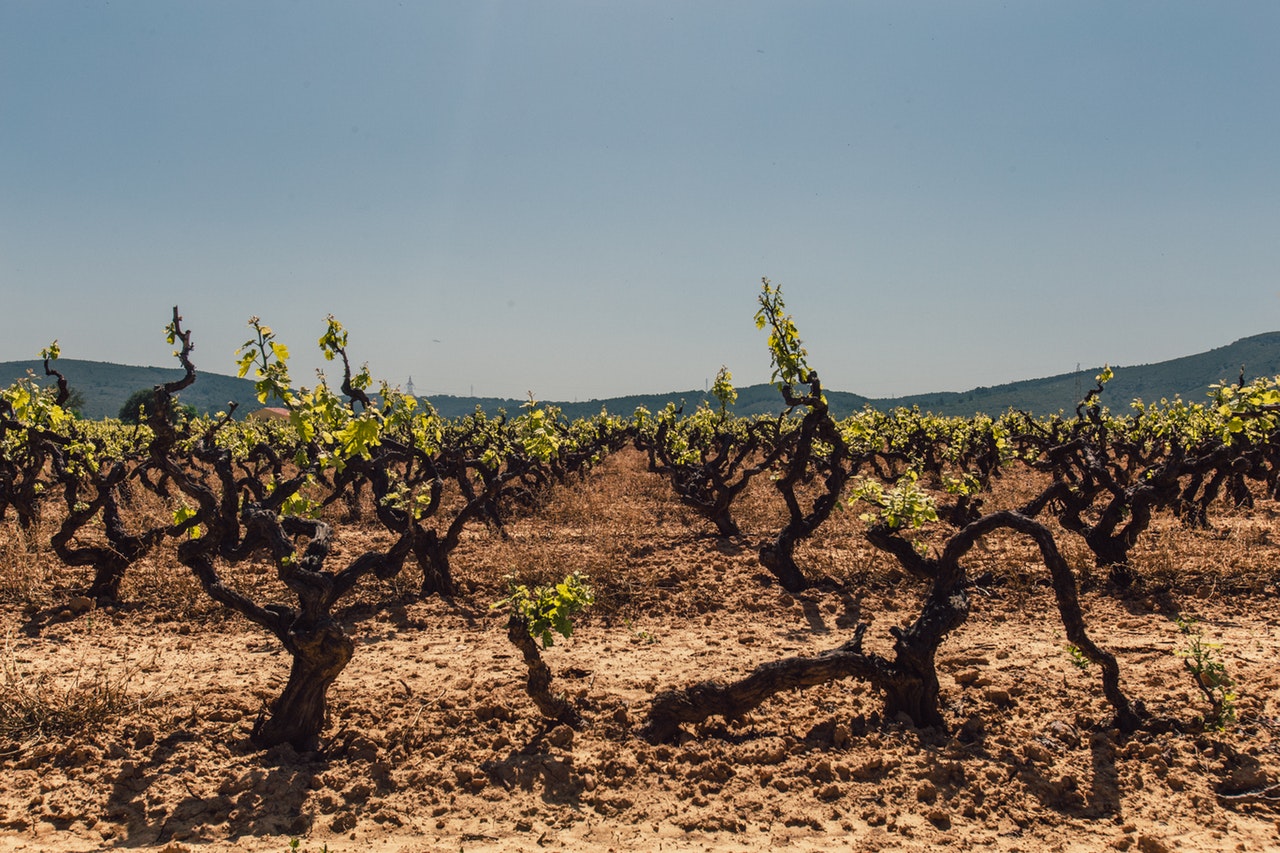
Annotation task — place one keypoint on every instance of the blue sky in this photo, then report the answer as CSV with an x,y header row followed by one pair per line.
x,y
579,199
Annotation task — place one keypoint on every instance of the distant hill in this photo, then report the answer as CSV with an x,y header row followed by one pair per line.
x,y
1188,377
106,386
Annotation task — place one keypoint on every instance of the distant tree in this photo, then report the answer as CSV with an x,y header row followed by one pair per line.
x,y
75,403
136,407
142,401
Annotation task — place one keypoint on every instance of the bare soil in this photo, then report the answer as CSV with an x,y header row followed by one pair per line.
x,y
433,745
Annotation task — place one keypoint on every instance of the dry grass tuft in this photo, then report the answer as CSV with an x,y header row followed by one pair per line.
x,y
603,526
38,707
28,566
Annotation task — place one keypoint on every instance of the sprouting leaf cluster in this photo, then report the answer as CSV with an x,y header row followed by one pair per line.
x,y
724,392
906,505
547,609
1203,660
790,359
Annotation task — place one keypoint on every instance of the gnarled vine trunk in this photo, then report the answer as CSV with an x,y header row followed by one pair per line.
x,y
297,716
538,682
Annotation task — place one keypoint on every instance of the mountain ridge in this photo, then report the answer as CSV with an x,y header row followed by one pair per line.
x,y
104,386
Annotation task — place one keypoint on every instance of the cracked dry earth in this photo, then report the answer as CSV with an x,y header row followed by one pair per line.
x,y
433,745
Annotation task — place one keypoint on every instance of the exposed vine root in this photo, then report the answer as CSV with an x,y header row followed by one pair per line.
x,y
709,698
1269,794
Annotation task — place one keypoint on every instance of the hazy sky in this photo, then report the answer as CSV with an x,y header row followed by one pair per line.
x,y
580,198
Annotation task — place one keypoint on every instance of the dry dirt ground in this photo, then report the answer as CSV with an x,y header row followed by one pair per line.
x,y
433,745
